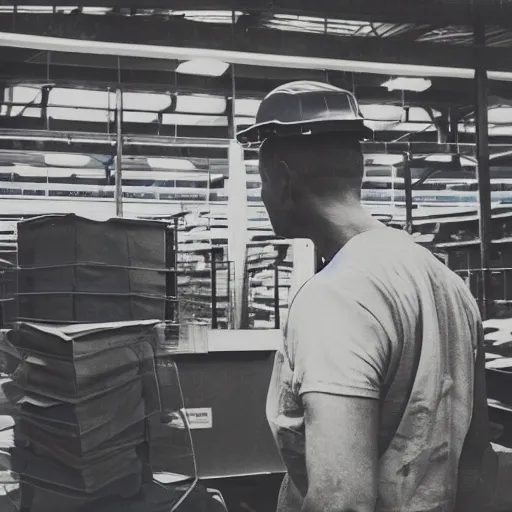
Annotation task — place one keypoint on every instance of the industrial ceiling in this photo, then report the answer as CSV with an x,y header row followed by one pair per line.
x,y
60,67
192,72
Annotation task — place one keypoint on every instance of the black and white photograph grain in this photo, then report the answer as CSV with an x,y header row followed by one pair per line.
x,y
256,256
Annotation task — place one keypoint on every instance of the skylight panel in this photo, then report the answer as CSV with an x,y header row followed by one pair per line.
x,y
145,101
63,97
194,120
22,94
200,104
80,114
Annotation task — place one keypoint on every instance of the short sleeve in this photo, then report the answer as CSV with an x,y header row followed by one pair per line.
x,y
336,345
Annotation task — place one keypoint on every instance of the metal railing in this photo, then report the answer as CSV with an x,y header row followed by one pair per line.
x,y
267,295
204,290
498,301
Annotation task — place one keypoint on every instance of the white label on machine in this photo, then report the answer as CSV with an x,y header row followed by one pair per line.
x,y
199,418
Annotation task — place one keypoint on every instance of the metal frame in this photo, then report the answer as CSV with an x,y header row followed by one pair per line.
x,y
408,192
458,66
234,55
482,148
119,159
455,12
179,32
483,163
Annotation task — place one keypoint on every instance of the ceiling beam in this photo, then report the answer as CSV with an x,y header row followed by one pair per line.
x,y
161,73
158,131
129,128
367,89
154,135
169,150
454,12
128,79
466,147
352,53
74,142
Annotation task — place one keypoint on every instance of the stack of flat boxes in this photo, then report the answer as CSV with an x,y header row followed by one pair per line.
x,y
75,270
90,295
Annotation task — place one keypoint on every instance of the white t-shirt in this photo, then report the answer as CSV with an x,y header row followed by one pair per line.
x,y
387,321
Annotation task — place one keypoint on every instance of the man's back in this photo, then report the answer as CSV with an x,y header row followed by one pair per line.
x,y
400,327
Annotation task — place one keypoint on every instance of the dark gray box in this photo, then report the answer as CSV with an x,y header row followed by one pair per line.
x,y
73,269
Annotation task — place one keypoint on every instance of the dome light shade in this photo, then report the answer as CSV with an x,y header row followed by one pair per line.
x,y
408,84
203,67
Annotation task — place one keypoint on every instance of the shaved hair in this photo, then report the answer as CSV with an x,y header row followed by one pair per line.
x,y
327,165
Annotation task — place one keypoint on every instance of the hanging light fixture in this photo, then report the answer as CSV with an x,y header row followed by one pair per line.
x,y
203,67
408,84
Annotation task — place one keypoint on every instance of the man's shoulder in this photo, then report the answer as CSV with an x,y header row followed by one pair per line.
x,y
328,284
384,272
334,292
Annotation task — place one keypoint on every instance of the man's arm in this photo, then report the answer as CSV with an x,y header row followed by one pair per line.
x,y
340,359
341,453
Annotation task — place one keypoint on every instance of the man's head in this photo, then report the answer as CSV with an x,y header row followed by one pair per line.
x,y
310,160
304,177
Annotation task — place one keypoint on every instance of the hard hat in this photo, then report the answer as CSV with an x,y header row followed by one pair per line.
x,y
306,108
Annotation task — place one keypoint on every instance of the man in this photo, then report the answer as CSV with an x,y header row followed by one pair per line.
x,y
377,400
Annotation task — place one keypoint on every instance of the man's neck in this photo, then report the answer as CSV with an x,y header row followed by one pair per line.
x,y
338,226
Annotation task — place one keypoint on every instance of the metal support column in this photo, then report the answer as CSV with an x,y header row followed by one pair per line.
x,y
482,153
443,127
408,192
213,276
454,135
454,129
171,276
237,219
119,159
